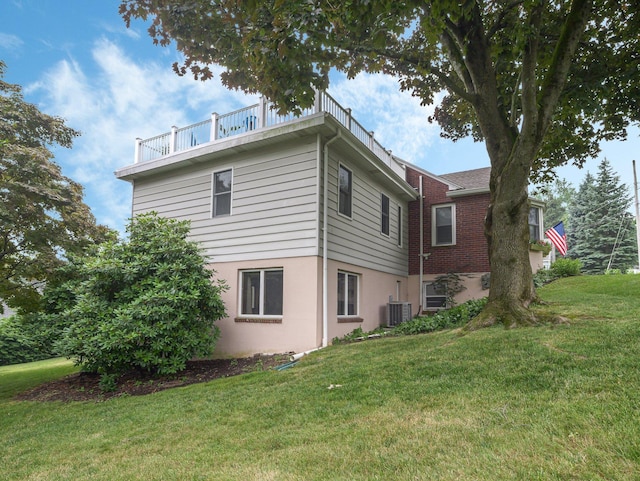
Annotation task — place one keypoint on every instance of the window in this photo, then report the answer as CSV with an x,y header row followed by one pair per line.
x,y
261,292
344,201
435,295
399,226
384,220
443,230
221,202
347,294
534,223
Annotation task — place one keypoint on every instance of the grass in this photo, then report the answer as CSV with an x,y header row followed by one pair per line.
x,y
20,377
547,403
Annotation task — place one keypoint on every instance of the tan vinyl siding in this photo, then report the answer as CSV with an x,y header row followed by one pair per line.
x,y
358,240
273,206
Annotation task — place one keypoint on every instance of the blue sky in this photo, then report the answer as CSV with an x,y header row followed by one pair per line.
x,y
75,59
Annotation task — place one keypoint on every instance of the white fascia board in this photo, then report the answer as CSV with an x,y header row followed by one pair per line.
x,y
237,143
464,192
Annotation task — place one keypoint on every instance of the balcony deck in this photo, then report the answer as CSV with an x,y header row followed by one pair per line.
x,y
254,117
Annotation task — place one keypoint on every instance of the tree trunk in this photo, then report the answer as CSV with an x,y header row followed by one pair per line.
x,y
507,231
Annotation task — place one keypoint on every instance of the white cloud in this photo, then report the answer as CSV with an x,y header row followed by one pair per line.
x,y
10,42
112,104
398,120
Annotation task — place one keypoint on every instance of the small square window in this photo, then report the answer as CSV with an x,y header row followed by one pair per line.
x,y
435,295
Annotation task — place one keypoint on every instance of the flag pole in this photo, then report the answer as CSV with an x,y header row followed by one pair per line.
x,y
635,190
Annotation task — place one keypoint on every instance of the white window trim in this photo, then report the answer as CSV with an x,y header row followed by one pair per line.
x,y
261,314
424,298
213,186
540,219
382,196
342,166
453,224
346,290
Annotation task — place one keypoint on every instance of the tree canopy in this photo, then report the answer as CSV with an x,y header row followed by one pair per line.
x,y
42,215
541,82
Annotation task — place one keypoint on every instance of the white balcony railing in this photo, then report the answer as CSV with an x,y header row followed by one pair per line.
x,y
250,118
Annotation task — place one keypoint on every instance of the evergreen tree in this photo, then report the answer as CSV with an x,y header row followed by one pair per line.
x,y
601,231
558,197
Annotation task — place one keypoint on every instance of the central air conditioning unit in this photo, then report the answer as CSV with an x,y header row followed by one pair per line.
x,y
398,312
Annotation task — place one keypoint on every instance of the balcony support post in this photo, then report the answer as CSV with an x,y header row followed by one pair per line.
x,y
173,139
137,156
262,112
213,135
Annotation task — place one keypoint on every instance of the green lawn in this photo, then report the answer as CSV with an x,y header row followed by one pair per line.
x,y
546,403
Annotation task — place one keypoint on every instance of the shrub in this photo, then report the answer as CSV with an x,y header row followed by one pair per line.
x,y
447,319
566,267
147,303
543,276
613,272
15,345
23,338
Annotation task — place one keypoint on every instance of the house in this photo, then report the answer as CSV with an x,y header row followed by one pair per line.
x,y
304,217
452,210
314,226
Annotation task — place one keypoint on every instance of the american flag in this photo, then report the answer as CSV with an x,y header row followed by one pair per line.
x,y
558,238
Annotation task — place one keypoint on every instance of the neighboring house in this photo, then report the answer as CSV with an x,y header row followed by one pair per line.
x,y
312,224
304,218
453,241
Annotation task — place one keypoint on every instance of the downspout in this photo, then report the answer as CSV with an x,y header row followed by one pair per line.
x,y
325,242
421,245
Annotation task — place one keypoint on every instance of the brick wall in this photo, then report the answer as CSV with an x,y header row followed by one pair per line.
x,y
470,252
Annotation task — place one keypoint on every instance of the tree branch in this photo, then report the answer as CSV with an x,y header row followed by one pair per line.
x,y
566,46
456,58
528,72
497,25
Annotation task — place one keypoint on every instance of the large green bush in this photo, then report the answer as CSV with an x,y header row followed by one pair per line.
x,y
566,267
561,268
148,303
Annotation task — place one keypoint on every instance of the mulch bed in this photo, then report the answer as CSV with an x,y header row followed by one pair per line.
x,y
85,386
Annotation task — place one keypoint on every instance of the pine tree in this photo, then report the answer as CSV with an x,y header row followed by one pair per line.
x,y
558,197
601,231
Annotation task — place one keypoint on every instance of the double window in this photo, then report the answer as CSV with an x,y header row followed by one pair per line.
x,y
443,229
345,191
261,292
348,294
221,202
